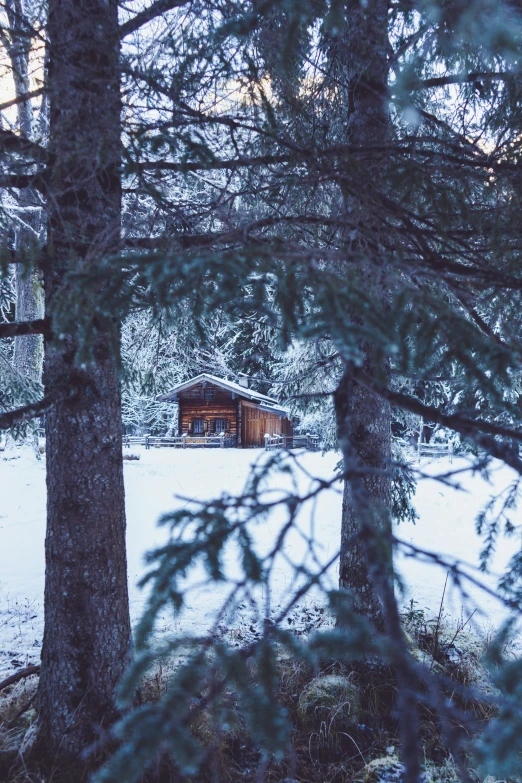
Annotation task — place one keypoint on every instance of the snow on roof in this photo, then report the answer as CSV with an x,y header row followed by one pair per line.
x,y
241,391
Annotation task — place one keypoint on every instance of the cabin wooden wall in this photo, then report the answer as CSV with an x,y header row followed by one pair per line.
x,y
192,405
255,422
208,412
287,427
248,423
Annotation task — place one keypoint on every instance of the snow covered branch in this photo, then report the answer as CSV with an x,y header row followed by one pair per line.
x,y
482,432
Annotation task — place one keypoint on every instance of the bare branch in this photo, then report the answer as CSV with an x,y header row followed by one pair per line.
x,y
240,234
465,78
20,181
11,142
212,165
19,675
152,12
34,409
17,329
26,96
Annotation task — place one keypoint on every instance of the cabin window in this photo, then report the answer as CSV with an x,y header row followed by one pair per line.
x,y
221,425
209,394
198,426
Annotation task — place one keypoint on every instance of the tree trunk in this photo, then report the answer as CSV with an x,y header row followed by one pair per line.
x,y
358,54
364,433
364,418
87,629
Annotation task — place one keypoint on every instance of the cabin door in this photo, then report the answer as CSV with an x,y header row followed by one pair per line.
x,y
254,433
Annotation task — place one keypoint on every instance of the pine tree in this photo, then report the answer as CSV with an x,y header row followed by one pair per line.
x,y
358,53
387,235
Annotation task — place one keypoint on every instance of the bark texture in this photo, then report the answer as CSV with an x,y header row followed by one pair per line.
x,y
359,58
87,629
364,433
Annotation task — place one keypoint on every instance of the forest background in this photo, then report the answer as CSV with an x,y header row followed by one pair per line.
x,y
322,195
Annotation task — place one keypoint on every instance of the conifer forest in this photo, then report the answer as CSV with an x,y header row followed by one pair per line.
x,y
260,391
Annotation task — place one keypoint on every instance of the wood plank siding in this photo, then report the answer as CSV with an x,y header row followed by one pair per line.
x,y
206,408
256,422
193,405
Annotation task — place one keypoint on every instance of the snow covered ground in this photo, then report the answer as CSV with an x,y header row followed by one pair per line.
x,y
446,525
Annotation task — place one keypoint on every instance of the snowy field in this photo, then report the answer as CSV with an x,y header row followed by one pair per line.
x,y
446,525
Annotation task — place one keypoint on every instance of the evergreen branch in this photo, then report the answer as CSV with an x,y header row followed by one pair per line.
x,y
211,165
484,327
199,116
35,409
152,12
411,40
483,433
452,271
12,142
242,233
476,161
18,329
406,146
458,574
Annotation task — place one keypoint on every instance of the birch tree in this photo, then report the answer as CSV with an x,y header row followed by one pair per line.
x,y
26,210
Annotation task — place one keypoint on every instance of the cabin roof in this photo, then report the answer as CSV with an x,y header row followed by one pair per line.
x,y
267,403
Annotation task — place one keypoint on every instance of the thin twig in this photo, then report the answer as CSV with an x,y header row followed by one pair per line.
x,y
437,627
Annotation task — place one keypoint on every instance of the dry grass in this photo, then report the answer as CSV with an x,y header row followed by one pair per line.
x,y
17,714
330,742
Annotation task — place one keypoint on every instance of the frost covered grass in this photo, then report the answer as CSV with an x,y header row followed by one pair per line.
x,y
163,480
344,724
343,717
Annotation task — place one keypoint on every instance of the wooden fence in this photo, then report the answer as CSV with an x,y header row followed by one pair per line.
x,y
435,450
180,441
310,442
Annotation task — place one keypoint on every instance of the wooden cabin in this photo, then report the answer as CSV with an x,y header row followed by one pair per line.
x,y
208,405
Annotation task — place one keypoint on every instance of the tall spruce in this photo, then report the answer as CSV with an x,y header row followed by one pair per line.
x,y
358,54
87,628
305,232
